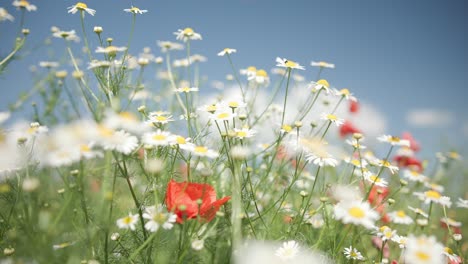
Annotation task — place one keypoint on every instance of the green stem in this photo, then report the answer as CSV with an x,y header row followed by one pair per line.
x,y
285,97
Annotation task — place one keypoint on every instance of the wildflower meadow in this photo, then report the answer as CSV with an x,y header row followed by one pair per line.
x,y
107,166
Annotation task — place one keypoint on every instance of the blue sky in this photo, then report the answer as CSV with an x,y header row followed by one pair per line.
x,y
397,55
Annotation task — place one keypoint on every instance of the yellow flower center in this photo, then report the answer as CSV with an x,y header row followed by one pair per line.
x,y
262,73
394,139
188,31
200,149
383,228
185,89
241,134
134,9
81,6
353,254
159,137
85,148
104,131
422,255
374,178
401,213
161,118
433,194
323,82
345,92
287,128
356,212
290,64
252,69
127,220
227,50
159,218
454,155
23,3
332,117
356,162
223,115
448,250
180,140
32,130
211,108
233,104
127,116
386,163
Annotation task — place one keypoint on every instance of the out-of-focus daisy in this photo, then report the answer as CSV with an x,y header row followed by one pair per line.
x,y
434,186
24,4
433,196
203,151
462,203
158,138
321,84
198,244
223,115
356,212
87,152
401,240
450,222
80,6
356,162
99,64
186,89
67,35
4,15
388,165
415,176
418,211
168,45
286,129
288,250
124,120
352,253
226,51
111,50
372,159
288,64
423,250
128,222
120,141
49,64
332,118
197,58
260,77
322,64
400,217
187,34
184,143
345,93
158,217
249,71
321,159
386,233
451,256
357,144
233,104
394,141
4,116
373,179
135,10
244,133
159,118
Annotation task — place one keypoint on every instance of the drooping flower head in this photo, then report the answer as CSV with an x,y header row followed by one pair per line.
x,y
182,198
80,6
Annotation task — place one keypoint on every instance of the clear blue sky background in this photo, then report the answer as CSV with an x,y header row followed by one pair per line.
x,y
399,55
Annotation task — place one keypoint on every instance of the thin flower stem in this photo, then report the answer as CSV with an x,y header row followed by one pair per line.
x,y
236,76
285,97
143,246
380,172
306,206
343,238
85,37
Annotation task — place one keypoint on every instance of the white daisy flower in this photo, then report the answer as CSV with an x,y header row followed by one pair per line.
x,y
158,138
345,93
433,196
356,212
159,119
135,10
202,151
223,115
124,120
111,50
249,71
434,186
332,118
450,222
49,64
186,89
451,256
4,15
67,35
361,164
289,250
158,217
99,64
233,104
168,46
373,179
321,84
394,141
80,6
120,141
400,217
24,4
260,77
197,58
321,159
388,165
415,176
198,244
462,203
226,51
418,211
322,64
128,222
4,116
184,143
423,250
401,240
352,253
288,64
244,133
187,34
87,152
386,233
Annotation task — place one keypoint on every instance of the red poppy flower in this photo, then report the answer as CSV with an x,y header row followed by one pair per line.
x,y
348,129
182,197
353,106
409,162
414,145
